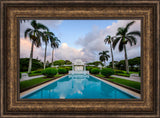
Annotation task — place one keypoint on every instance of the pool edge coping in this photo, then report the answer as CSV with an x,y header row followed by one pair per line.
x,y
126,90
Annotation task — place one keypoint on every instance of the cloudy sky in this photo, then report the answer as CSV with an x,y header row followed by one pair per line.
x,y
80,39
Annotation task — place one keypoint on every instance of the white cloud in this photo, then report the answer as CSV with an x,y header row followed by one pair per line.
x,y
25,49
92,43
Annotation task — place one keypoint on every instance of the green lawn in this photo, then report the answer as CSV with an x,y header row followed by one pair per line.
x,y
125,73
33,82
131,72
122,74
132,84
24,72
58,75
34,74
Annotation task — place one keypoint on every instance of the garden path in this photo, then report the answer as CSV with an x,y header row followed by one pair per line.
x,y
33,77
137,79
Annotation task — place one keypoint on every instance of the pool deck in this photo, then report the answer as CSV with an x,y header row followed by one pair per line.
x,y
120,87
114,85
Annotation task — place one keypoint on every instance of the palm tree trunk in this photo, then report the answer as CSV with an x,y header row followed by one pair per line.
x,y
112,56
45,56
126,59
52,55
30,59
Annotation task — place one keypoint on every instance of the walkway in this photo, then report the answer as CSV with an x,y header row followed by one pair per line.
x,y
33,77
128,78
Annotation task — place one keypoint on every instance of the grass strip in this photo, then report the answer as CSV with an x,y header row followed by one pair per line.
x,y
129,83
132,84
34,74
33,82
123,74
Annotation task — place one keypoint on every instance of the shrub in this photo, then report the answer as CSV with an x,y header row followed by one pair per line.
x,y
90,68
95,71
49,72
68,68
107,72
62,71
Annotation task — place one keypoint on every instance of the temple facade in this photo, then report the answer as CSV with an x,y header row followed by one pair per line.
x,y
78,65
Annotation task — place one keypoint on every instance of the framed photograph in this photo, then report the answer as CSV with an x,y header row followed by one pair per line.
x,y
73,65
79,58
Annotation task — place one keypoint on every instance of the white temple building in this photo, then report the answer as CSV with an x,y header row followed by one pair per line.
x,y
78,67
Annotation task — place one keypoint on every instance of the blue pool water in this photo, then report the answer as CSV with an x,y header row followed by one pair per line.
x,y
78,87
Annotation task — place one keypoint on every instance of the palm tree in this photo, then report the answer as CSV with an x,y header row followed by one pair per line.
x,y
47,37
104,56
109,40
34,34
55,42
123,36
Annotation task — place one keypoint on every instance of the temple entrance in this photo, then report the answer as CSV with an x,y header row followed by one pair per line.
x,y
78,67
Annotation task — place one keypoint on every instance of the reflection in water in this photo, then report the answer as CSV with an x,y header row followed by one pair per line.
x,y
78,87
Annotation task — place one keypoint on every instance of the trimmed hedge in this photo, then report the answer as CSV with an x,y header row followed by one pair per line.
x,y
107,72
49,72
95,71
89,68
62,71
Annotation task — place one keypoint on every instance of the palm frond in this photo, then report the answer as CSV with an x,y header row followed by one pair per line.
x,y
127,26
120,31
41,26
129,40
100,53
27,31
34,24
55,42
137,33
102,58
132,38
116,41
121,44
106,51
108,39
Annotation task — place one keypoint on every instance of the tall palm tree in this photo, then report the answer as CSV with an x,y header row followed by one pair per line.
x,y
109,40
123,36
34,34
55,42
104,56
47,37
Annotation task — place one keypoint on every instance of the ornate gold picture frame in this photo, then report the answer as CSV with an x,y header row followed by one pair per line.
x,y
13,11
